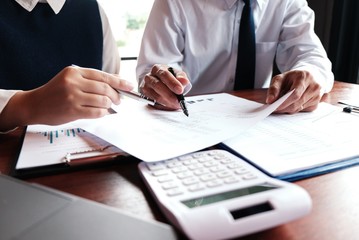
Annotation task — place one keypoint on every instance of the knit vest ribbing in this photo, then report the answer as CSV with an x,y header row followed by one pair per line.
x,y
35,46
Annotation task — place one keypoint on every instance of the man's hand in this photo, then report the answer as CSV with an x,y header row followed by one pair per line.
x,y
162,86
306,96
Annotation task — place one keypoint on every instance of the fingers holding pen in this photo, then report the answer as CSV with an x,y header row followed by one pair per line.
x,y
152,87
162,86
174,82
103,84
74,93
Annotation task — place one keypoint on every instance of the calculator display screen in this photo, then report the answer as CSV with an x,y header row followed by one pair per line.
x,y
201,201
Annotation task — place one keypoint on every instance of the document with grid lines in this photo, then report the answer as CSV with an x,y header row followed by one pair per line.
x,y
301,144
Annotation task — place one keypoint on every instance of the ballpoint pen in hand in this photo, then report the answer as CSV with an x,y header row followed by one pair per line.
x,y
180,97
135,95
138,96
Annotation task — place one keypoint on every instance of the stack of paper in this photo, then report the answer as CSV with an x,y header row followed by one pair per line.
x,y
153,135
295,146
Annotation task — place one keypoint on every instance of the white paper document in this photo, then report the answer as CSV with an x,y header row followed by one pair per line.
x,y
284,144
153,135
45,145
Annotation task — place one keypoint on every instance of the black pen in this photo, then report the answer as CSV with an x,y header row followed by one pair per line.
x,y
180,97
349,108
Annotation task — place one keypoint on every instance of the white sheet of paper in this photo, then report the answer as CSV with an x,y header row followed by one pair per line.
x,y
153,135
284,144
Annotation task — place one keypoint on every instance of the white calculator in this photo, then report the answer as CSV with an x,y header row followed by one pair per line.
x,y
216,195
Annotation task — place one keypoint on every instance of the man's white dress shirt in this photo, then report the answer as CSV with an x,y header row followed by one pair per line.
x,y
201,38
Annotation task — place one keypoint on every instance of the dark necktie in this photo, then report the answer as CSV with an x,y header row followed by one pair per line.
x,y
246,59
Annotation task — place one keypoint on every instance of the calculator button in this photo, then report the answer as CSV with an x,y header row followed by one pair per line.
x,y
214,153
155,166
165,178
160,173
205,159
224,174
184,158
174,164
241,171
184,175
249,176
208,177
214,183
195,166
171,161
231,179
219,157
189,162
174,192
217,169
226,160
190,181
199,155
210,164
234,165
196,187
201,171
169,185
179,169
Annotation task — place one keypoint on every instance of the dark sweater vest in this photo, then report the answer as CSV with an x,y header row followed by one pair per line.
x,y
35,46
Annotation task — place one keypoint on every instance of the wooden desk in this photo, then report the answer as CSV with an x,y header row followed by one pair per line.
x,y
335,196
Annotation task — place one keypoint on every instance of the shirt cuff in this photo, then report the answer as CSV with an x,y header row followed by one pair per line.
x,y
5,96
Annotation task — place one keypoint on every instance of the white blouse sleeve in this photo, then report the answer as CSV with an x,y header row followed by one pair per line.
x,y
110,57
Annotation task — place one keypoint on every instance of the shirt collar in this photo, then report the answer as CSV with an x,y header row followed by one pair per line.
x,y
29,5
230,3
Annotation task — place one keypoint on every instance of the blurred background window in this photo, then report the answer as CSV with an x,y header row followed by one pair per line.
x,y
127,20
